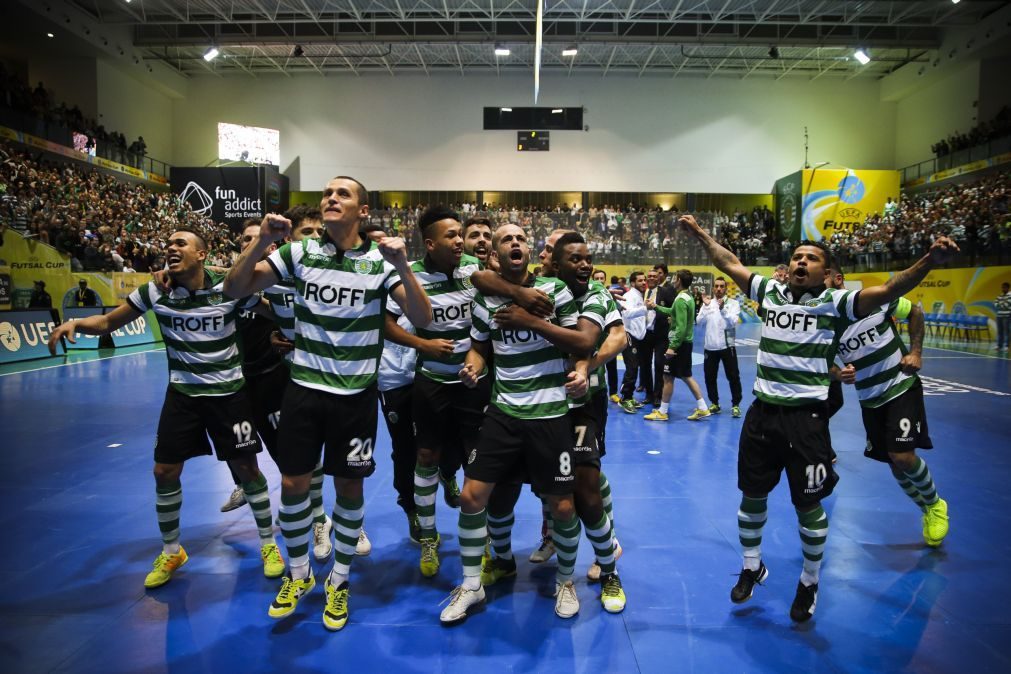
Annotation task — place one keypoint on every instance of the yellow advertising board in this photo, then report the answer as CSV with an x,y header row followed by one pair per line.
x,y
838,200
124,284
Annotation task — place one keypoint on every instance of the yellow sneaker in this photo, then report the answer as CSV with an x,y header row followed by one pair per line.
x,y
935,523
291,591
429,556
656,415
616,398
164,567
335,614
698,414
273,562
612,596
497,569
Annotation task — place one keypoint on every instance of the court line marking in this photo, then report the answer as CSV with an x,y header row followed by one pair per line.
x,y
79,362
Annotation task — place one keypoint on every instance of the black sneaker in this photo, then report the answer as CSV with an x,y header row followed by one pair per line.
x,y
746,583
450,491
804,603
414,528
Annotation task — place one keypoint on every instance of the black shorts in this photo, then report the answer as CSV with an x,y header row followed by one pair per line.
x,y
900,425
343,426
680,364
587,434
509,446
186,421
449,416
775,437
267,393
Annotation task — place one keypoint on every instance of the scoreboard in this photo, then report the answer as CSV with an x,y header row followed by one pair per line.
x,y
533,141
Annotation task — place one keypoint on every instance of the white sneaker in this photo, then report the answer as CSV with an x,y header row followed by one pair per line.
x,y
364,546
237,499
461,599
593,573
544,552
566,601
321,543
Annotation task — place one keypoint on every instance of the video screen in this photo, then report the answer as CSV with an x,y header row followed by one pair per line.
x,y
81,144
251,144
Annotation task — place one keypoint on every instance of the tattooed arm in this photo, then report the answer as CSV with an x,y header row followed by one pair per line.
x,y
869,299
722,258
913,361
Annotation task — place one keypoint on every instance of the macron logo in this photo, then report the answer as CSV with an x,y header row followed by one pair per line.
x,y
198,198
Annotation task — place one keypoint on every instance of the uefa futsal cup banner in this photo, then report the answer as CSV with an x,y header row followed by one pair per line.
x,y
76,313
838,200
24,335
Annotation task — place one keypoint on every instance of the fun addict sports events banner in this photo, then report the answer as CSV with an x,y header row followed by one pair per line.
x,y
814,204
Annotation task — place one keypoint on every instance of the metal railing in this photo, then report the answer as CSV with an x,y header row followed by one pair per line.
x,y
929,167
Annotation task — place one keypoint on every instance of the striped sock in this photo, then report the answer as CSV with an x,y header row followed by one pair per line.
x,y
605,496
750,520
473,533
426,483
295,514
348,516
547,524
924,483
258,499
501,531
566,537
601,536
813,533
168,501
316,495
911,491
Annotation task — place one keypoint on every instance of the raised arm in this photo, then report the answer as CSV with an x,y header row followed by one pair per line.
x,y
93,325
721,258
409,294
249,274
869,299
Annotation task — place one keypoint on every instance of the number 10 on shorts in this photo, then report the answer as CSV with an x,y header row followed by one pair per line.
x,y
816,475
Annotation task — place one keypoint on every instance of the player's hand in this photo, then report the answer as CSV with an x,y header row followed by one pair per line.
x,y
394,250
161,280
848,374
687,222
911,363
513,317
942,250
721,302
63,330
670,353
534,301
437,348
576,384
468,375
706,299
274,228
280,343
650,304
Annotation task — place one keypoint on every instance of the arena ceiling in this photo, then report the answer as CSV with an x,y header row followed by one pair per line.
x,y
739,38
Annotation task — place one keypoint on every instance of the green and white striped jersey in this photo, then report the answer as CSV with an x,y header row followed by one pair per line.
x,y
873,346
282,302
596,305
530,371
799,340
340,304
451,316
200,334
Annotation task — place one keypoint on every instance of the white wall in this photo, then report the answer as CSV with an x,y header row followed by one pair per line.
x,y
71,80
649,134
135,109
936,111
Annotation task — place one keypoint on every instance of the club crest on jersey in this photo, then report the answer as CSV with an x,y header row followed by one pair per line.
x,y
467,283
363,266
215,298
393,417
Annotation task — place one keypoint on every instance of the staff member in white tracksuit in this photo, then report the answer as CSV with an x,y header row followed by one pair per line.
x,y
718,317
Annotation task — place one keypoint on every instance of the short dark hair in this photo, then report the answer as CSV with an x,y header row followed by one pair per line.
x,y
684,277
301,212
820,245
633,276
661,267
363,193
719,278
477,220
564,240
190,230
250,222
614,280
434,214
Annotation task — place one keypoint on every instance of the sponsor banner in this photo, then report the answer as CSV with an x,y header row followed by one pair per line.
x,y
227,194
971,167
838,200
77,313
6,287
24,335
55,148
123,284
787,193
140,331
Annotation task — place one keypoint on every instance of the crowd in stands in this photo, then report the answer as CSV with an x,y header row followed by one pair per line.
x,y
39,103
103,223
975,214
984,132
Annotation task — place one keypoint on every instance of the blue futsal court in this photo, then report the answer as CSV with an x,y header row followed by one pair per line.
x,y
81,533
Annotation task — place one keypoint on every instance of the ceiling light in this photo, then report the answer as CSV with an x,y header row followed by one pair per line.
x,y
954,2
570,51
49,35
505,109
861,55
501,51
211,54
557,111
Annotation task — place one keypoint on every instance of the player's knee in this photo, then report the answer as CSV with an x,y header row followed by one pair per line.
x,y
563,508
296,484
904,461
167,472
427,457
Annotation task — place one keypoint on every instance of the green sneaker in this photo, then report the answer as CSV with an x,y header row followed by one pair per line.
x,y
628,406
735,412
429,556
497,569
166,565
273,563
291,591
935,523
612,596
450,491
335,613
714,409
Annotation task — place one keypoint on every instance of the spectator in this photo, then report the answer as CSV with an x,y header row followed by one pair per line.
x,y
40,299
85,296
1002,306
